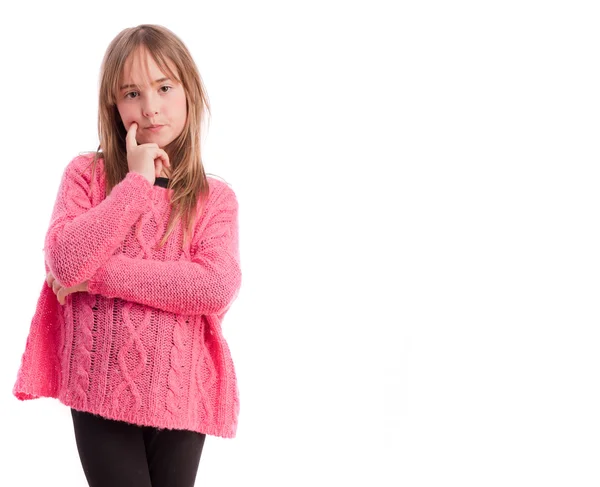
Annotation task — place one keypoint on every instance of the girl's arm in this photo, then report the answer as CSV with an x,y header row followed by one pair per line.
x,y
206,284
80,237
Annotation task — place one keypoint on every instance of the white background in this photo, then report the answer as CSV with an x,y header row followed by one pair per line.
x,y
418,187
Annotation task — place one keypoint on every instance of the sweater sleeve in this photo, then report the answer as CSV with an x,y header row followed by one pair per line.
x,y
208,283
82,237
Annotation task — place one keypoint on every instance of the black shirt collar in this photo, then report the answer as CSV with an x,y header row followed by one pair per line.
x,y
162,182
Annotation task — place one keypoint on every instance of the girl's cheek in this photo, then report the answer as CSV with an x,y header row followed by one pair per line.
x,y
127,121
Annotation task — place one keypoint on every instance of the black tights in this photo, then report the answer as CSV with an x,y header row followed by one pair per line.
x,y
118,454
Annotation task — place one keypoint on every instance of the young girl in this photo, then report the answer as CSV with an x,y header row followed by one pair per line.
x,y
142,263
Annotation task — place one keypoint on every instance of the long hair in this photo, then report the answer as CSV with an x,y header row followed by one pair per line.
x,y
187,178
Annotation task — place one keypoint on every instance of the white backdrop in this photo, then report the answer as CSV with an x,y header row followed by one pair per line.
x,y
418,189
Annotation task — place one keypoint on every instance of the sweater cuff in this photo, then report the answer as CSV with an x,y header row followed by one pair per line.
x,y
138,185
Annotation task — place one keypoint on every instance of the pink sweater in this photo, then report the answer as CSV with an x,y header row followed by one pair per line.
x,y
144,345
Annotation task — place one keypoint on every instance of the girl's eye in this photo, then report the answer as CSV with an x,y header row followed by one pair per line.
x,y
131,94
165,88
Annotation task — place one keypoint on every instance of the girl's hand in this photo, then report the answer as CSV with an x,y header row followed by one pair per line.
x,y
147,159
61,291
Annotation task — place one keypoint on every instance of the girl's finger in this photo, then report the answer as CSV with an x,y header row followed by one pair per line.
x,y
130,142
158,166
163,156
61,296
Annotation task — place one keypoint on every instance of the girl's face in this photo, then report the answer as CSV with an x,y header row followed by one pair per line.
x,y
148,97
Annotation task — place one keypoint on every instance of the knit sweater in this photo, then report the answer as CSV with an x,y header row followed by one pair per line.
x,y
144,345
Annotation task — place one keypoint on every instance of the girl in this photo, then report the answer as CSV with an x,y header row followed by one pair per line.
x,y
142,264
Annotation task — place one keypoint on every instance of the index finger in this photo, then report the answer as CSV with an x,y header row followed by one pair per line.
x,y
130,141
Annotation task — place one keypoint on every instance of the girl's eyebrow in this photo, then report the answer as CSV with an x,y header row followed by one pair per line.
x,y
156,82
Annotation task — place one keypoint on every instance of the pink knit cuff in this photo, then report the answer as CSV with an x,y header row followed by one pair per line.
x,y
138,187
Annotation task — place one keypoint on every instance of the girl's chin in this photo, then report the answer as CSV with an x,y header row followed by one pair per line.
x,y
160,141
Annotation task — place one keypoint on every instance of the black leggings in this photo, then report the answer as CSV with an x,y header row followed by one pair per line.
x,y
118,454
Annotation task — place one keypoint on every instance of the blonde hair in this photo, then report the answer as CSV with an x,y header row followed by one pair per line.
x,y
187,179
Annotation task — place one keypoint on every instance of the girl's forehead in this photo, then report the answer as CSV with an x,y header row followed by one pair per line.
x,y
140,69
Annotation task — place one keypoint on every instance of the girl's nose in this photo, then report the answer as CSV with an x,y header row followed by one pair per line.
x,y
149,112
150,107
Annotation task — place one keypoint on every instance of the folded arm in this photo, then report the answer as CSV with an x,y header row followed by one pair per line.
x,y
82,237
206,284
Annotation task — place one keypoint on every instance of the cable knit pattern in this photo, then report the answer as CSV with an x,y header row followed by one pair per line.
x,y
144,344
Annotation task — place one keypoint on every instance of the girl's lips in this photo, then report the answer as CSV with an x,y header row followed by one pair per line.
x,y
154,128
